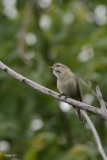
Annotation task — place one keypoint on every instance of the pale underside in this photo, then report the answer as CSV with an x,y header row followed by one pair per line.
x,y
69,87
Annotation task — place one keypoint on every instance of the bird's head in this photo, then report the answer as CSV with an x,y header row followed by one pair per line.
x,y
59,69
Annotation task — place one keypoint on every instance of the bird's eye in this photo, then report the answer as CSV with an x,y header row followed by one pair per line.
x,y
58,65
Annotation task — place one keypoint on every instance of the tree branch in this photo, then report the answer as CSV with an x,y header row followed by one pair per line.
x,y
70,101
101,100
89,88
96,136
47,91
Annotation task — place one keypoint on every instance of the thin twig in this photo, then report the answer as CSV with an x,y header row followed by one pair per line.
x,y
101,100
96,136
89,88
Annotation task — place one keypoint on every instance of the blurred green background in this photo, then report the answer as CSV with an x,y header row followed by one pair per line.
x,y
34,34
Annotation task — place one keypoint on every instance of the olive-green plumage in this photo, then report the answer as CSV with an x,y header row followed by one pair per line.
x,y
67,83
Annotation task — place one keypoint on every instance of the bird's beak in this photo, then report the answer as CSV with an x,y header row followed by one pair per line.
x,y
51,67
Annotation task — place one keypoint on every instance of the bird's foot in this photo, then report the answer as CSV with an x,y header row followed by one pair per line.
x,y
65,96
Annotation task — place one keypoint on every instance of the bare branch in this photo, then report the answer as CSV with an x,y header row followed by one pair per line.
x,y
80,105
89,88
47,91
96,136
101,100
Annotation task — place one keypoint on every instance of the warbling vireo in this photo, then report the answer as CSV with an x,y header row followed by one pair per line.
x,y
67,84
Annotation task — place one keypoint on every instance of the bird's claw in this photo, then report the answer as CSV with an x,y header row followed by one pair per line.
x,y
65,96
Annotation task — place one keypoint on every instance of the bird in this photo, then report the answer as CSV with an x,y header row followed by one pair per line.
x,y
68,84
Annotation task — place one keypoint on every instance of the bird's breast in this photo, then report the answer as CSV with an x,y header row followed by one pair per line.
x,y
67,87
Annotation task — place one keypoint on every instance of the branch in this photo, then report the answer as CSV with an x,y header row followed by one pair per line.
x,y
101,100
89,88
78,104
96,136
47,91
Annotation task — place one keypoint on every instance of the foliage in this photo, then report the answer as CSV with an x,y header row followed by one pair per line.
x,y
33,35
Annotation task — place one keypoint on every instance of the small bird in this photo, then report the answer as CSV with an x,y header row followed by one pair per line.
x,y
67,84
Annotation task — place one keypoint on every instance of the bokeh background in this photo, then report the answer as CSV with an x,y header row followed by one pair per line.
x,y
34,34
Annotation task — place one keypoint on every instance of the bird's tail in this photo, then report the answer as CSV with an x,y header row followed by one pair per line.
x,y
80,117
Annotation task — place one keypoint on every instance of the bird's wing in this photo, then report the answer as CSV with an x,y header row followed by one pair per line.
x,y
78,89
